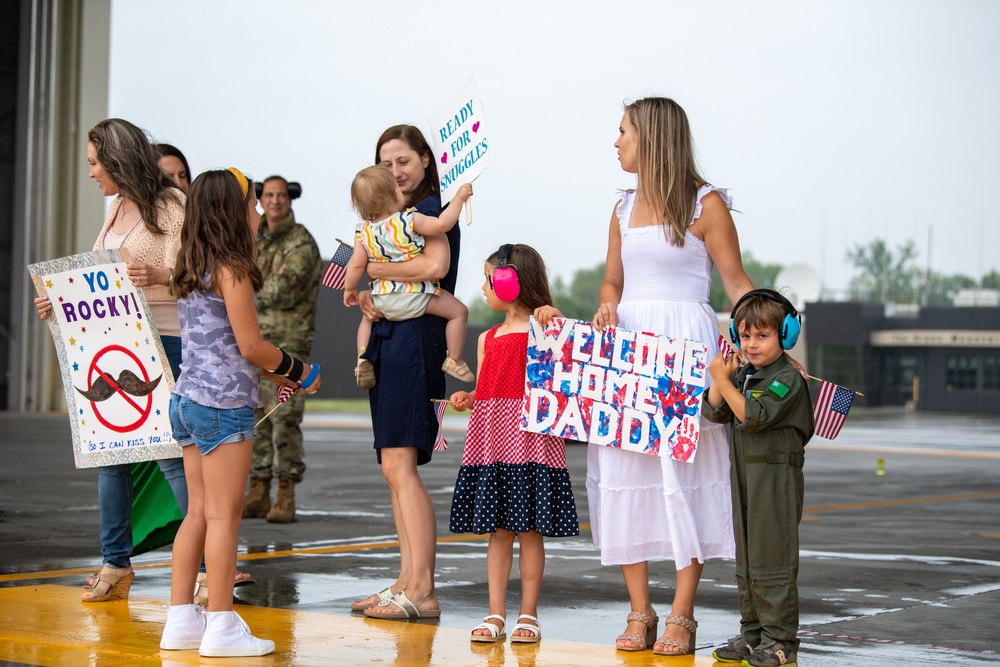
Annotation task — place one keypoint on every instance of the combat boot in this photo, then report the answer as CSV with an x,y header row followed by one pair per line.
x,y
283,510
258,501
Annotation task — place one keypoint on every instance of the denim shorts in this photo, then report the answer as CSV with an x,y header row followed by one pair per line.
x,y
207,427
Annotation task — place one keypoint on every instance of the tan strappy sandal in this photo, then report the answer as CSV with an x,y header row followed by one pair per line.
x,y
108,586
641,641
688,624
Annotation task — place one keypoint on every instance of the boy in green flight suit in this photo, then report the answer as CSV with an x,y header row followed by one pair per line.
x,y
768,405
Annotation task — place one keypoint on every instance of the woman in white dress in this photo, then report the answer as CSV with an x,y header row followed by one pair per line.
x,y
664,239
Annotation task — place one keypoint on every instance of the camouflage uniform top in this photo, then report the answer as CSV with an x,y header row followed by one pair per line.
x,y
286,305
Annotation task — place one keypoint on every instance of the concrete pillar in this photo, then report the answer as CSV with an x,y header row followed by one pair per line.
x,y
63,68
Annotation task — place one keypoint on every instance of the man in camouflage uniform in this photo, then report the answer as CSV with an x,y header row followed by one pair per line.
x,y
286,309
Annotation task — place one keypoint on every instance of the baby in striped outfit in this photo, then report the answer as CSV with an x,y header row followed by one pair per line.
x,y
386,234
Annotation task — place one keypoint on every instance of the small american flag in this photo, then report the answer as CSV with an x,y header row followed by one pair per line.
x,y
832,405
285,392
725,348
336,270
440,444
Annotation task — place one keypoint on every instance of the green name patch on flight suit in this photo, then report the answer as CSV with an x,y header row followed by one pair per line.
x,y
778,388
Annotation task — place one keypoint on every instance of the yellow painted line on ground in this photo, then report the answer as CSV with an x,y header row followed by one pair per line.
x,y
902,501
391,544
260,555
47,625
872,449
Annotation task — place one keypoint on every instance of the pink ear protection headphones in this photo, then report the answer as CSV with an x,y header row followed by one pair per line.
x,y
504,282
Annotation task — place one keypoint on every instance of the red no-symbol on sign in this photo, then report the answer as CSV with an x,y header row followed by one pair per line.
x,y
96,370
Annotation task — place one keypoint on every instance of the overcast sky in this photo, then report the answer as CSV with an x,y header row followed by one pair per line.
x,y
832,123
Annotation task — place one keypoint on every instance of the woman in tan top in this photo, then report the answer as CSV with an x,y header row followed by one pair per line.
x,y
145,218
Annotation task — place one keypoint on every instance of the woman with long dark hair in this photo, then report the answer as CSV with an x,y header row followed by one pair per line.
x,y
145,218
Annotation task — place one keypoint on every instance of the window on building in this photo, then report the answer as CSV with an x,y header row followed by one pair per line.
x,y
836,363
961,371
991,373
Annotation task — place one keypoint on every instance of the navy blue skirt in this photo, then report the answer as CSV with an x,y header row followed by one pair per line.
x,y
407,357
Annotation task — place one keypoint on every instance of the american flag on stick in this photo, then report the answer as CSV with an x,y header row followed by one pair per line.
x,y
284,393
336,270
440,444
832,405
727,350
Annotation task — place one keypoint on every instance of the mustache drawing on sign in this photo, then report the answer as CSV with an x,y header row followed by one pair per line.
x,y
128,382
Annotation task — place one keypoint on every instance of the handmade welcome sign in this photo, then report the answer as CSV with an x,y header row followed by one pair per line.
x,y
115,374
636,391
458,132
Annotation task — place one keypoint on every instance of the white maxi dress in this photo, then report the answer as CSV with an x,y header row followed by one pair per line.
x,y
644,507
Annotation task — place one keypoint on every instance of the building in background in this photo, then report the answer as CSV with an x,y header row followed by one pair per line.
x,y
939,359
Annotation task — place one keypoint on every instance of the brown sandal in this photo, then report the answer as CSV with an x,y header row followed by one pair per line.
x,y
107,586
364,373
641,641
688,624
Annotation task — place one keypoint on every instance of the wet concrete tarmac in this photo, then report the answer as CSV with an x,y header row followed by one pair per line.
x,y
902,568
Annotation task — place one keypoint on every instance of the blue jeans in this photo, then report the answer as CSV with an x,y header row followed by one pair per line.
x,y
114,487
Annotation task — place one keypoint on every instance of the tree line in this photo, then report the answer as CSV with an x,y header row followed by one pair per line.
x,y
881,275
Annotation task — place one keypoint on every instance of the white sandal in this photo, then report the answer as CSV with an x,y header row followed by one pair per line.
x,y
383,595
534,629
496,631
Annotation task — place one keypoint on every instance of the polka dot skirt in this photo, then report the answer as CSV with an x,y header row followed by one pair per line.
x,y
510,479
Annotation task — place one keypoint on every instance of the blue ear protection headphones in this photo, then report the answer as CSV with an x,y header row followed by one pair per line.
x,y
791,325
504,282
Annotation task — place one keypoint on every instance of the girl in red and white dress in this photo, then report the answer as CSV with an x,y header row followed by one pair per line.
x,y
512,483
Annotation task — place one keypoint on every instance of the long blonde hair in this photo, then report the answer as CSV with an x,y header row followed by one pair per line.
x,y
667,173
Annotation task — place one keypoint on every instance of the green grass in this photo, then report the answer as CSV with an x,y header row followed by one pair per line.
x,y
352,405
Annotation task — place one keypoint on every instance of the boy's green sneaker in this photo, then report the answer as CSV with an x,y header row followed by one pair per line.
x,y
735,650
774,655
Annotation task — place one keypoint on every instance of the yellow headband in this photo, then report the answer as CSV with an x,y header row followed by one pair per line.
x,y
244,183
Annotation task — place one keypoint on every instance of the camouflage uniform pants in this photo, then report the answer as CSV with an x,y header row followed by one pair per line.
x,y
277,447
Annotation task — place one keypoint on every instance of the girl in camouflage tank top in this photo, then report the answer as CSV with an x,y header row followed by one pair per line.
x,y
212,407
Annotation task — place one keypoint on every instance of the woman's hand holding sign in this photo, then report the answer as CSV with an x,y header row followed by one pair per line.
x,y
606,316
44,307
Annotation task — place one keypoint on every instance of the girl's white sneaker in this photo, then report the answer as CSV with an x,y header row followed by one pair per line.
x,y
184,629
226,635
